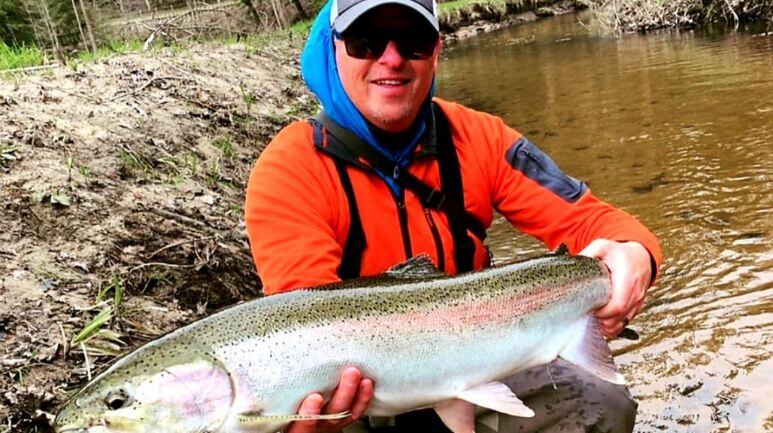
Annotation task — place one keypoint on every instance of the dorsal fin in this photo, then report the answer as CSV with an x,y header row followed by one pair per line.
x,y
562,250
419,266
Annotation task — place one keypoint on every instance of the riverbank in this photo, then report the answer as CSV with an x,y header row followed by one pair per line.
x,y
644,15
122,182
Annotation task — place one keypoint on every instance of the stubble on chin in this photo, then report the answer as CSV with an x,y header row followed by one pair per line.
x,y
396,117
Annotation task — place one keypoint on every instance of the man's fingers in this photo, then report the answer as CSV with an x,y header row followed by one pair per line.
x,y
346,391
594,249
363,398
639,307
619,303
610,328
311,405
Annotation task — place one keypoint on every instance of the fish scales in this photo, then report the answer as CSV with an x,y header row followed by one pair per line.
x,y
423,339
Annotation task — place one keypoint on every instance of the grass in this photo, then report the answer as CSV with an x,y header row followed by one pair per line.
x,y
226,146
110,48
301,28
134,163
27,56
116,285
247,96
95,338
20,57
92,327
459,4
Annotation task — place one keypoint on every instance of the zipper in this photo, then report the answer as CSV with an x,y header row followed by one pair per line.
x,y
402,213
441,261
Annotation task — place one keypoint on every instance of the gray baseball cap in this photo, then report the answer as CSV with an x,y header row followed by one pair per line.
x,y
344,12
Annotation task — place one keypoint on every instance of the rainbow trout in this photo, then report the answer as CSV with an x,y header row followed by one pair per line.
x,y
426,339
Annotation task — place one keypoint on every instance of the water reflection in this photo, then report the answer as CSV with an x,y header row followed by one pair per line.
x,y
677,128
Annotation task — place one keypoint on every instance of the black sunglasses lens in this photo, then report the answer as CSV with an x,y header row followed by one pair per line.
x,y
371,44
417,47
363,46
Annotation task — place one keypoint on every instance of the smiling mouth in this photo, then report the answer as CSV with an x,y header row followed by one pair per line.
x,y
392,82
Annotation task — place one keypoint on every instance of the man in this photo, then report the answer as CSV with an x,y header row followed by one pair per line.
x,y
388,172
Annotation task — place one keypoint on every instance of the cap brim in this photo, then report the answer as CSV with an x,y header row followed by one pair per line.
x,y
345,19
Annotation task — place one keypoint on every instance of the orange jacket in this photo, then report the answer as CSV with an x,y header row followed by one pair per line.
x,y
297,213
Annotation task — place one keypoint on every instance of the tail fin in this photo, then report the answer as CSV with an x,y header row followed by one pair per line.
x,y
590,351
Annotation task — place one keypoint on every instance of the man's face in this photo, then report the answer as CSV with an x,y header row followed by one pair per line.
x,y
388,90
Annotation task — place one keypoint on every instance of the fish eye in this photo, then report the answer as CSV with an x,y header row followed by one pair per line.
x,y
116,399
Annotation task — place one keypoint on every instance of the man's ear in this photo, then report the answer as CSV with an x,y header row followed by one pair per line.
x,y
437,50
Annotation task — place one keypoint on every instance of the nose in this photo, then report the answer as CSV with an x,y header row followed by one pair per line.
x,y
391,56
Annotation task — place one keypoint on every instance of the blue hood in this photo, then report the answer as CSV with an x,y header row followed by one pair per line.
x,y
318,67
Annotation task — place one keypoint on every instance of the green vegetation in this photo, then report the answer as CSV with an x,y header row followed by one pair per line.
x,y
301,27
110,48
95,338
226,146
20,57
116,285
247,96
93,326
9,153
449,6
55,197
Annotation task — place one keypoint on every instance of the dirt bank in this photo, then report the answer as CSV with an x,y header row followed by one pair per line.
x,y
122,186
127,173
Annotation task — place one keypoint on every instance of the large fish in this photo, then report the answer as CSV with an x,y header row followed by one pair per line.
x,y
426,339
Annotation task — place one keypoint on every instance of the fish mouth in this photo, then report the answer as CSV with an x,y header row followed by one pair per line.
x,y
80,428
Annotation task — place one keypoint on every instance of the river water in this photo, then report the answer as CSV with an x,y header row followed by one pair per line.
x,y
676,128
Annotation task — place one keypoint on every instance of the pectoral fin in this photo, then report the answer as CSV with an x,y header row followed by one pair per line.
x,y
590,351
253,420
457,415
497,396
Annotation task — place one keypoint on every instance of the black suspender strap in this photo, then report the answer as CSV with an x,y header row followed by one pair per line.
x,y
351,260
459,219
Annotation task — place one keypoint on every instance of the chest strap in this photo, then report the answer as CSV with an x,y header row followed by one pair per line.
x,y
345,147
351,261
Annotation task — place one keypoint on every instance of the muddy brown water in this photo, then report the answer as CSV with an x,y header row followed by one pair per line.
x,y
676,128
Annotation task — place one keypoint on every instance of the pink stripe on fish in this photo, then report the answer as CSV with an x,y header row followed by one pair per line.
x,y
467,313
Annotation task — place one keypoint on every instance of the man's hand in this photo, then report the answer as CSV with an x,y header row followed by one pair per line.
x,y
353,394
631,272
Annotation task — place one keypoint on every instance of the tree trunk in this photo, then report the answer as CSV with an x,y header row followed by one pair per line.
x,y
120,6
301,11
52,33
80,27
89,30
194,14
278,13
33,24
253,10
147,3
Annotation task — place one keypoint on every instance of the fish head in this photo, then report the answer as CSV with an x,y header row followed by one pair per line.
x,y
147,392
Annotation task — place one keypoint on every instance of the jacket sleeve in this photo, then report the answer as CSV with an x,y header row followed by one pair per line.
x,y
534,195
289,215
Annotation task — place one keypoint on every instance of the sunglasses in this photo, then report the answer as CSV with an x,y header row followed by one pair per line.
x,y
370,43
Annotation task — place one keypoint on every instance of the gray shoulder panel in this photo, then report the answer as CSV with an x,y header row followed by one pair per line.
x,y
527,158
